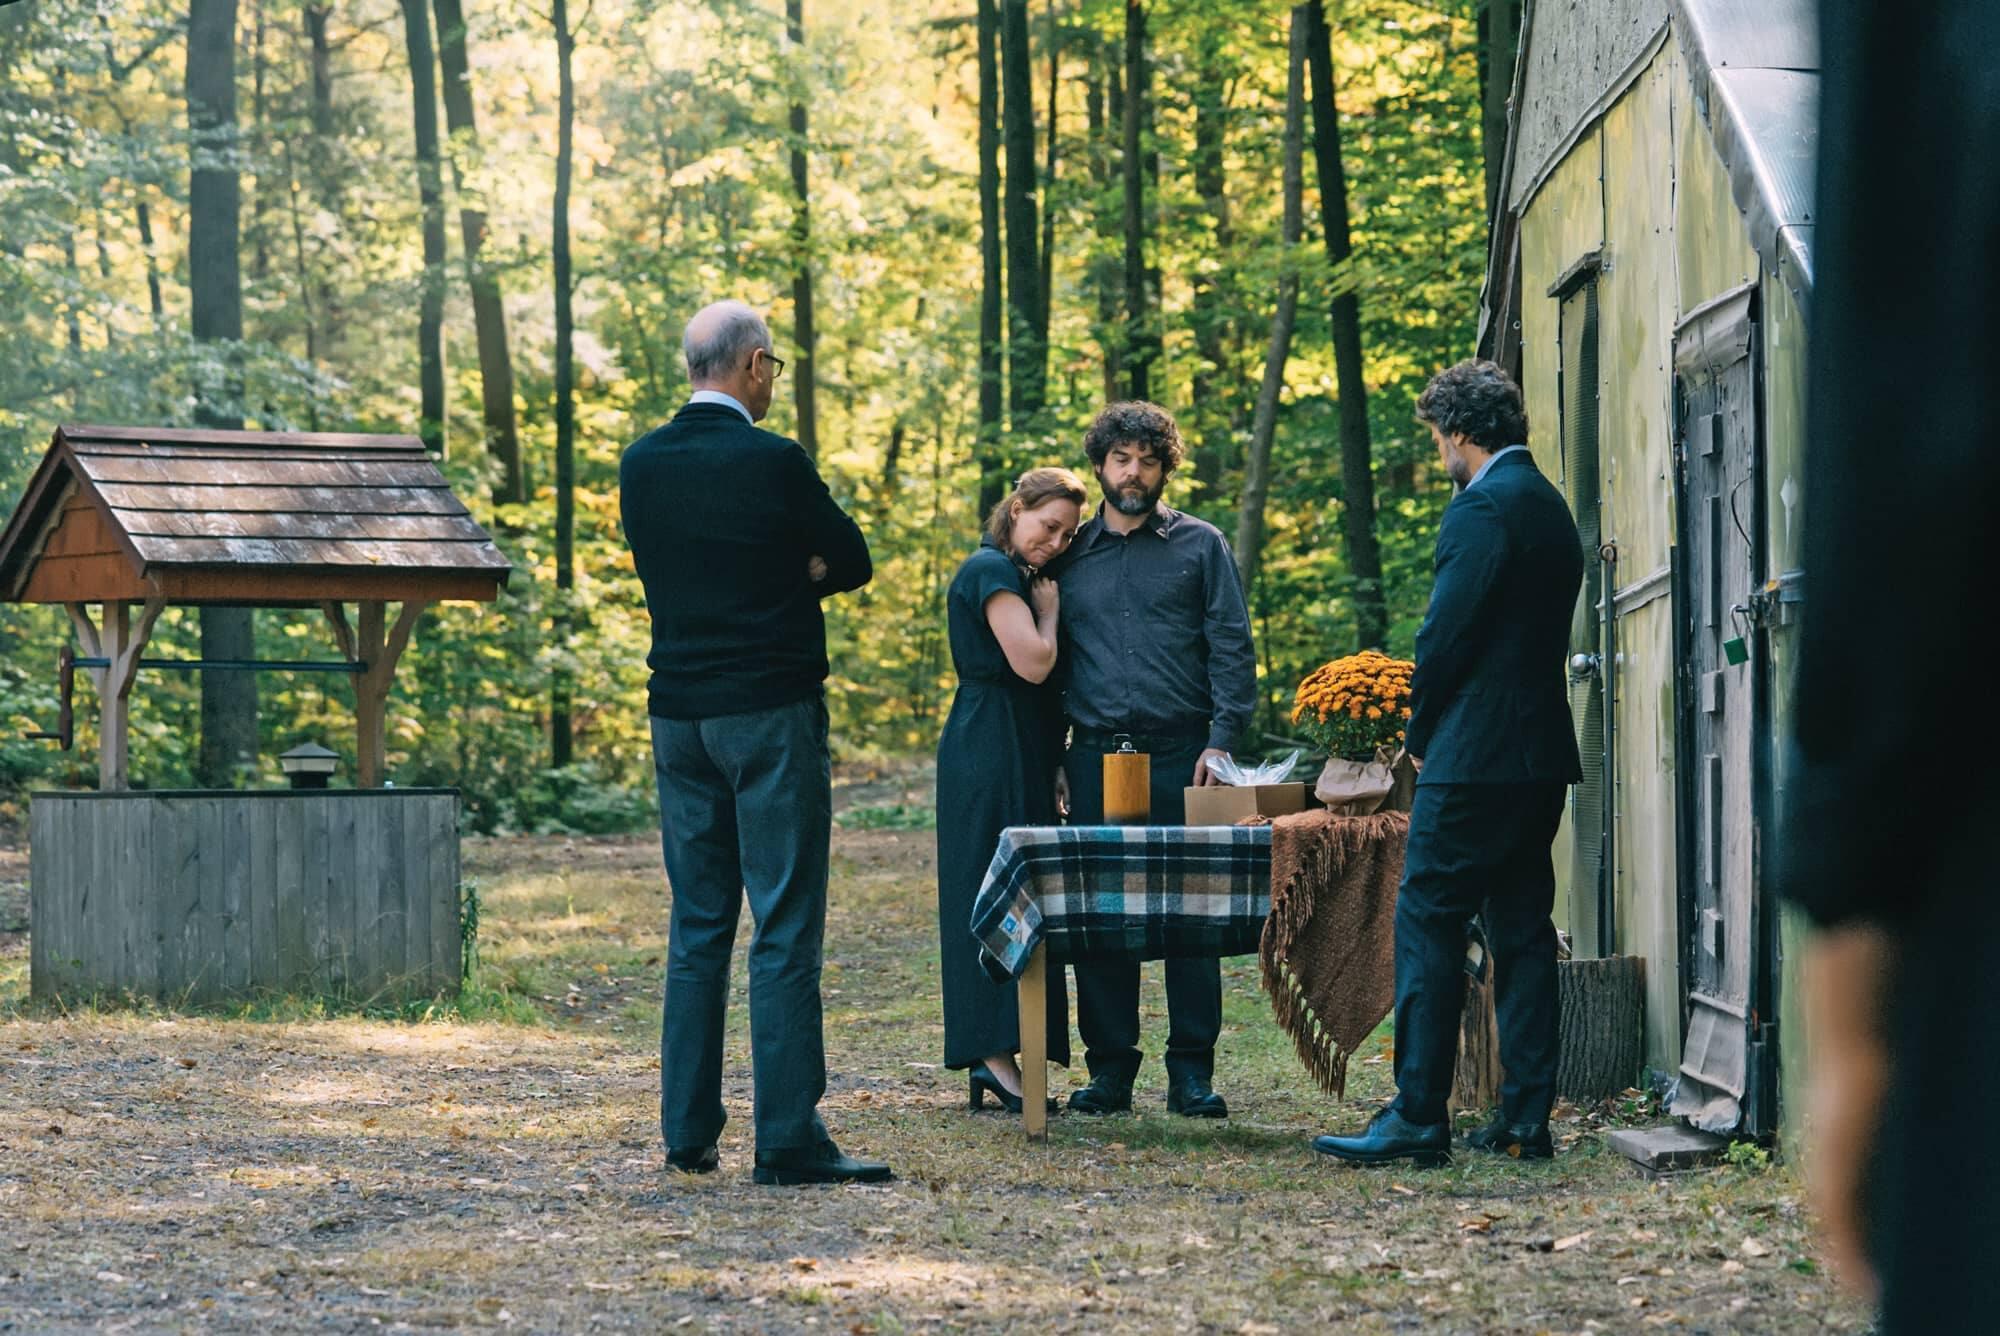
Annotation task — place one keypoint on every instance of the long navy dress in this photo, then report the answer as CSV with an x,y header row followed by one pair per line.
x,y
996,768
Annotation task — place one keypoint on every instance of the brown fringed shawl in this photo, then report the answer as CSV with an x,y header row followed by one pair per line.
x,y
1329,948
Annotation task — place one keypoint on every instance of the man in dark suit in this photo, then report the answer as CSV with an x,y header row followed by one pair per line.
x,y
736,540
1490,728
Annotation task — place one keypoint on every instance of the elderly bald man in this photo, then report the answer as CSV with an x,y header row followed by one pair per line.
x,y
737,540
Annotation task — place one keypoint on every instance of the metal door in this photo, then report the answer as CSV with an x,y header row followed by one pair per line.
x,y
1717,456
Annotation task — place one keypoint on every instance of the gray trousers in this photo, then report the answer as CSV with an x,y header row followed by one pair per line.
x,y
745,809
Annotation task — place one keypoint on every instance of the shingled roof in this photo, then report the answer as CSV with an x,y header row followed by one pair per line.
x,y
198,516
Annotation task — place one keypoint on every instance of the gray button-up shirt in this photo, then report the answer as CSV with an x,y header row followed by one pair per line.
x,y
1155,635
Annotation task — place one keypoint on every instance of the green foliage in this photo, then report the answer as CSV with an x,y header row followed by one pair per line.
x,y
683,195
1748,1156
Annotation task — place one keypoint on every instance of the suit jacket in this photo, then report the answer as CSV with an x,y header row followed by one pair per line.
x,y
722,518
1488,702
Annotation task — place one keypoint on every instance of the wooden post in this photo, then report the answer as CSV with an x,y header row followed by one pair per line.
x,y
121,640
378,654
1034,996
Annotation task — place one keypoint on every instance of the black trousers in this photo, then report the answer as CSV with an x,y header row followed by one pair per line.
x,y
1477,849
1107,989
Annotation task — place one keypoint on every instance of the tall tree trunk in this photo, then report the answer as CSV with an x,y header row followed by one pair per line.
x,y
430,196
489,316
215,285
1210,320
1143,338
561,739
323,159
992,479
1046,288
155,297
1027,358
1499,47
1106,270
804,372
1263,426
1364,557
260,246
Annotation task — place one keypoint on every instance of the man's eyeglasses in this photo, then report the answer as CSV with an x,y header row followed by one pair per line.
x,y
777,363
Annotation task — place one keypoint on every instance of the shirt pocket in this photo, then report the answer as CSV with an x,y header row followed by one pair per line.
x,y
1174,595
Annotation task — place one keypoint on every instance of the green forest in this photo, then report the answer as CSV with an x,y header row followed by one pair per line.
x,y
971,223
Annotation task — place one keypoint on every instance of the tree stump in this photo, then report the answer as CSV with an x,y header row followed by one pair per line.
x,y
1603,1004
1603,1008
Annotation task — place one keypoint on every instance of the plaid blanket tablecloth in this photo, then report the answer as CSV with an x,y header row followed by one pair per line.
x,y
1147,891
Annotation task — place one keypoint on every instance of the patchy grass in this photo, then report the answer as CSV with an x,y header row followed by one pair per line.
x,y
495,1162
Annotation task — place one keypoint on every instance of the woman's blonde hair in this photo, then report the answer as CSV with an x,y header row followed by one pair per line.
x,y
1035,488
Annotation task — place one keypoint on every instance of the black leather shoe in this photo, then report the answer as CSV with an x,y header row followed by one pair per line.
x,y
693,1159
1389,1138
1523,1141
822,1163
1108,1092
1190,1097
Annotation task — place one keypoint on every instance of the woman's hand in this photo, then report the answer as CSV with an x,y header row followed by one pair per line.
x,y
816,569
1047,599
1062,792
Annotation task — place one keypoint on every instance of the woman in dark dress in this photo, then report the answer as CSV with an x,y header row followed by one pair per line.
x,y
997,762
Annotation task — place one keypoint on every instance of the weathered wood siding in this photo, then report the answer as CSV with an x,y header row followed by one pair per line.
x,y
205,896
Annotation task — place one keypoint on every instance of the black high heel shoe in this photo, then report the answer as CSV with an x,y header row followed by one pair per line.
x,y
979,1082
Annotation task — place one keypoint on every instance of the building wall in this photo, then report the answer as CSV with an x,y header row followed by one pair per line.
x,y
1647,185
1566,223
1784,331
1575,52
1638,311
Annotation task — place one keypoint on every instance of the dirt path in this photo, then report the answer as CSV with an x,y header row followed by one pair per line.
x,y
498,1165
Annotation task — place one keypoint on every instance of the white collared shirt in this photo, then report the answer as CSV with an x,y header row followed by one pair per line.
x,y
718,397
1495,458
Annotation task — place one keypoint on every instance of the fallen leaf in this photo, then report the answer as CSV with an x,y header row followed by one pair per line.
x,y
1564,1245
1398,1187
187,1062
1752,1248
805,1263
1731,1267
1476,1226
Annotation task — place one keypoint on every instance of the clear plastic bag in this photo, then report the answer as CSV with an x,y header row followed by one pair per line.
x,y
1232,771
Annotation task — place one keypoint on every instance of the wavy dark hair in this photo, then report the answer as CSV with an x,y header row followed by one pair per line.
x,y
1137,423
1476,400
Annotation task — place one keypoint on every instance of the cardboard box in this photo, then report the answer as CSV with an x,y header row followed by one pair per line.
x,y
1227,804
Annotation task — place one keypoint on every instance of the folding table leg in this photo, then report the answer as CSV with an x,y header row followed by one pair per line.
x,y
1034,994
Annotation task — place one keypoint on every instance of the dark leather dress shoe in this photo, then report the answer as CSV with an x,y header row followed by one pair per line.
x,y
1190,1097
1108,1092
822,1163
1523,1141
693,1159
1390,1138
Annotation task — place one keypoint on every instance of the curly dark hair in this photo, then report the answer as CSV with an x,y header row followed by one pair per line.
x,y
1137,423
1476,400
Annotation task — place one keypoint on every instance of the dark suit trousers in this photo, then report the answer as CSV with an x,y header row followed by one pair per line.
x,y
745,808
1477,849
1107,989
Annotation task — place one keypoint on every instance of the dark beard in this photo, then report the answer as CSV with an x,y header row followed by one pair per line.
x,y
1125,503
